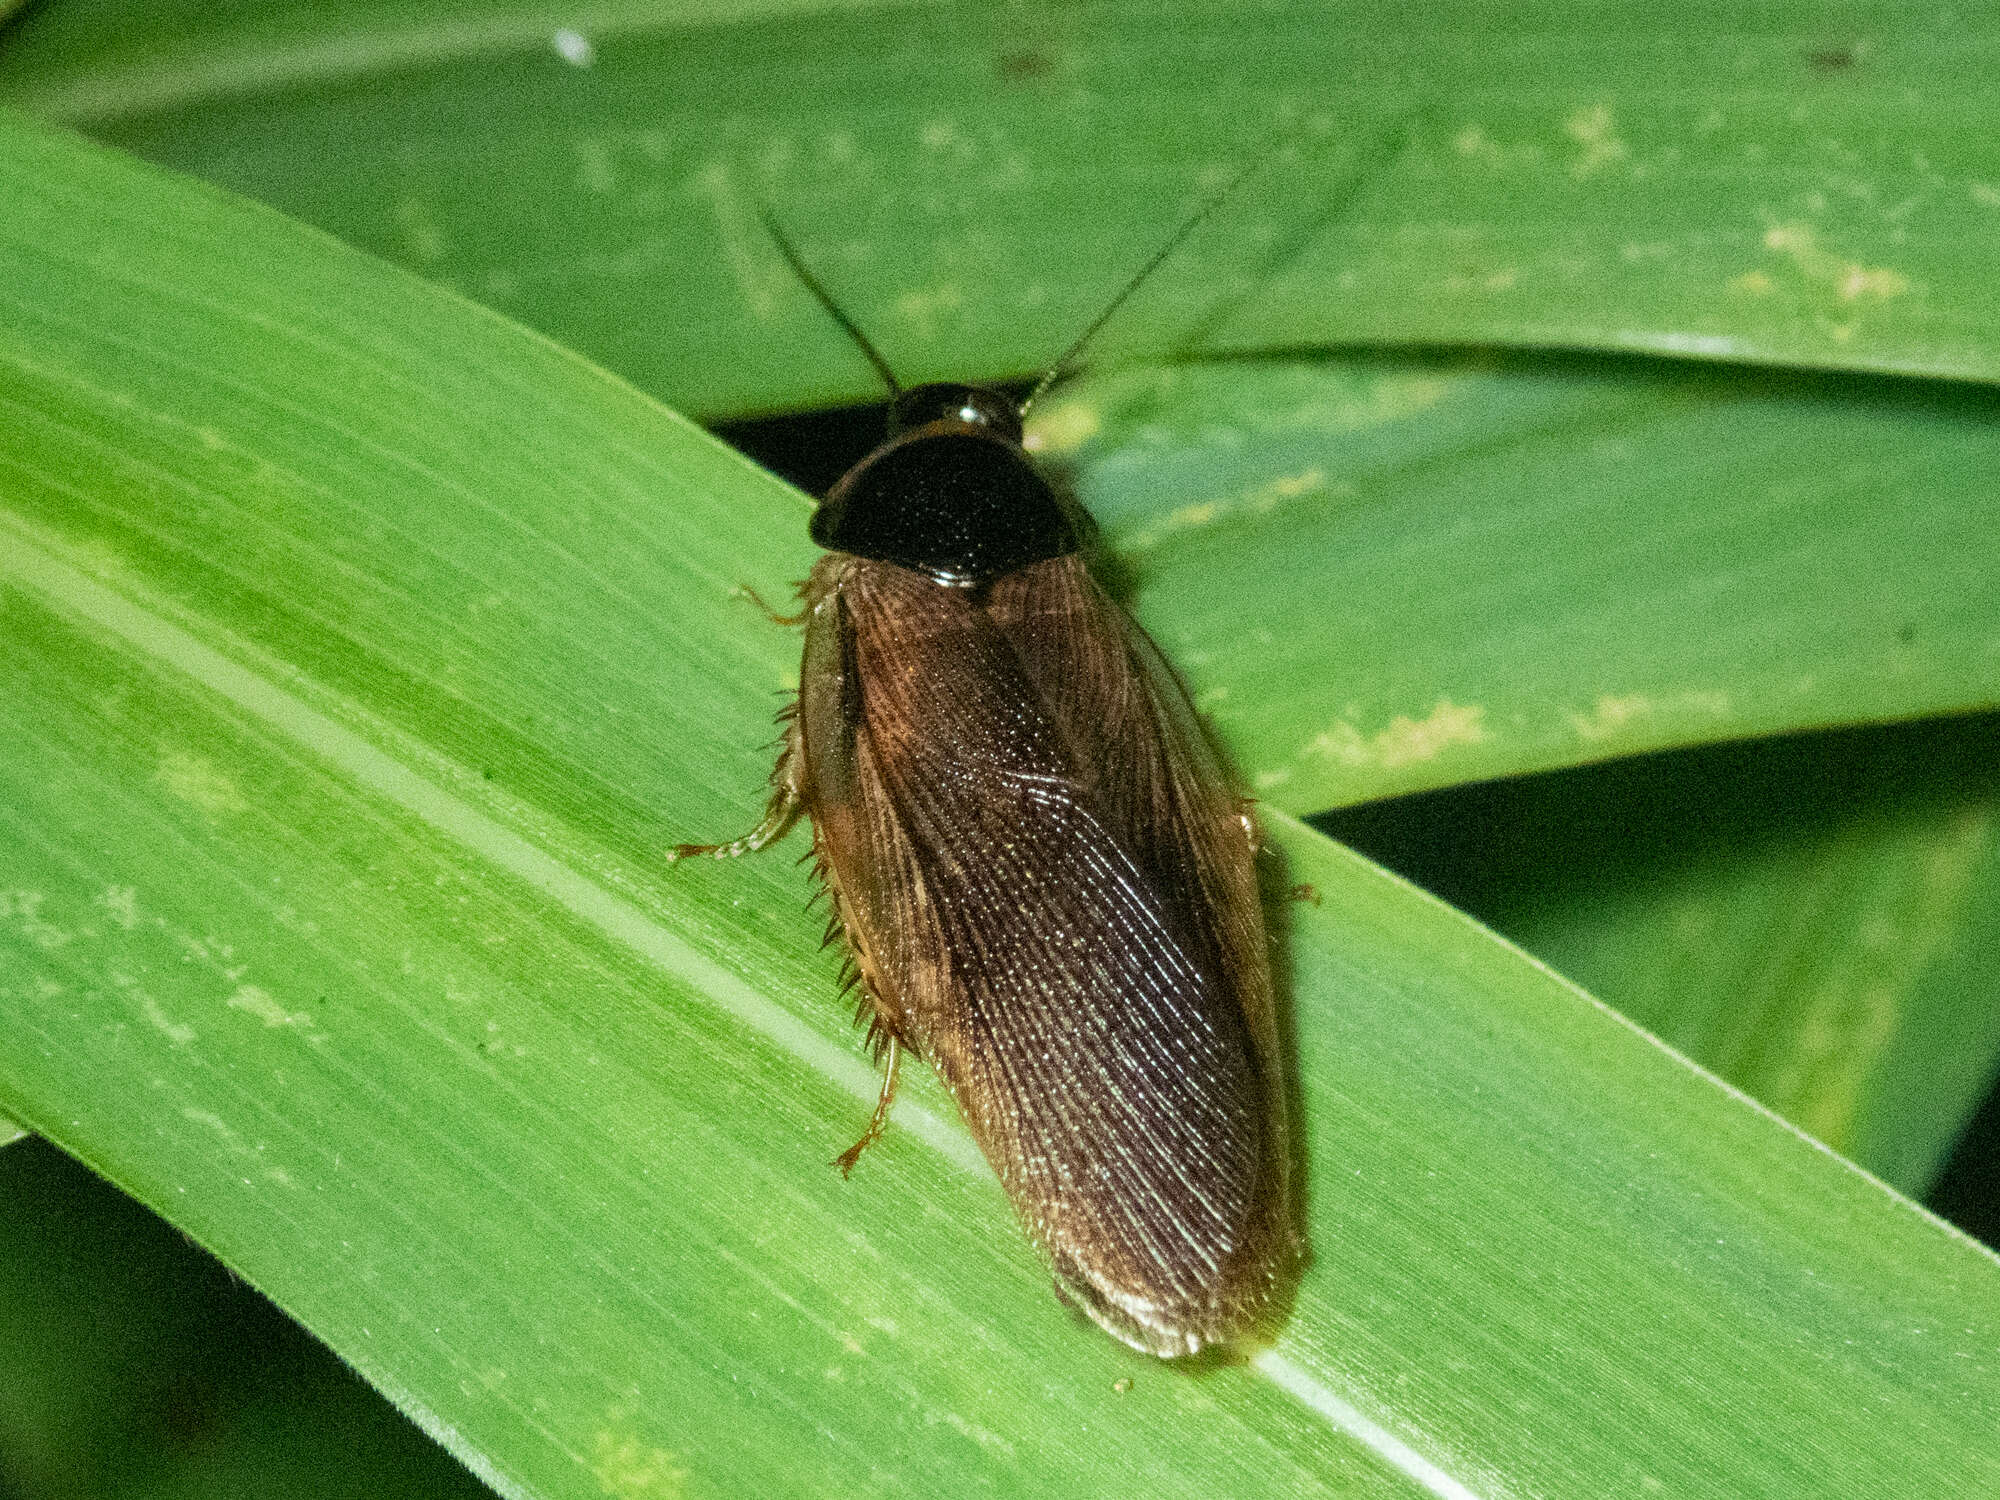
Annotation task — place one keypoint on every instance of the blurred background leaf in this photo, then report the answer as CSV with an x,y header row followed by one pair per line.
x,y
1785,185
187,1384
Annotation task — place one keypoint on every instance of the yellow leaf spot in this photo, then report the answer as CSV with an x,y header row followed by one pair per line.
x,y
259,1002
1594,130
174,1032
1377,402
1612,714
628,1468
927,309
1405,741
1846,279
193,778
1303,483
1064,428
1859,282
209,1119
22,910
1473,141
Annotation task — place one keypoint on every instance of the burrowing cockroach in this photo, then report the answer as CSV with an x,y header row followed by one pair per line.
x,y
1045,881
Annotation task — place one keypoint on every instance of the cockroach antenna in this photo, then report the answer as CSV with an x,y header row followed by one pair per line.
x,y
1174,241
1068,357
825,300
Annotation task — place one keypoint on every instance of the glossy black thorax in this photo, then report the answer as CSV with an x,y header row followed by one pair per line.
x,y
950,493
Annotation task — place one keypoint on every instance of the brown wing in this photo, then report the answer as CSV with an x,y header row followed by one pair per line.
x,y
1012,916
1129,724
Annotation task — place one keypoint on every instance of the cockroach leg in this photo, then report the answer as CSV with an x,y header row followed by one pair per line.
x,y
780,813
770,614
893,1057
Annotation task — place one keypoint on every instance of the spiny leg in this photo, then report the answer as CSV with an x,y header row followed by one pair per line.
x,y
893,1055
779,816
788,800
771,614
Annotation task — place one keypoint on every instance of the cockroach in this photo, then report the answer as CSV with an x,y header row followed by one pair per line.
x,y
1045,881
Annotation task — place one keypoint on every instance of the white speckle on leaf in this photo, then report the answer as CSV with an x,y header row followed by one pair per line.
x,y
627,1467
122,901
213,1121
1709,345
257,1001
23,910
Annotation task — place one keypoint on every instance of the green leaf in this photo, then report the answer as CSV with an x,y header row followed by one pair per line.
x,y
1817,918
1784,185
10,1132
366,654
136,1366
1392,575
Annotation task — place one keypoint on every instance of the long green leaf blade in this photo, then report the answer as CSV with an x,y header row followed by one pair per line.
x,y
1817,918
1771,186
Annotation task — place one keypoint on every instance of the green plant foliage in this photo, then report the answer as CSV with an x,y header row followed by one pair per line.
x,y
1757,185
186,1383
365,655
1391,575
1814,918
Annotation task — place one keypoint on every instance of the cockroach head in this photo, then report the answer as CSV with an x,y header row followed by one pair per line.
x,y
969,405
950,493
